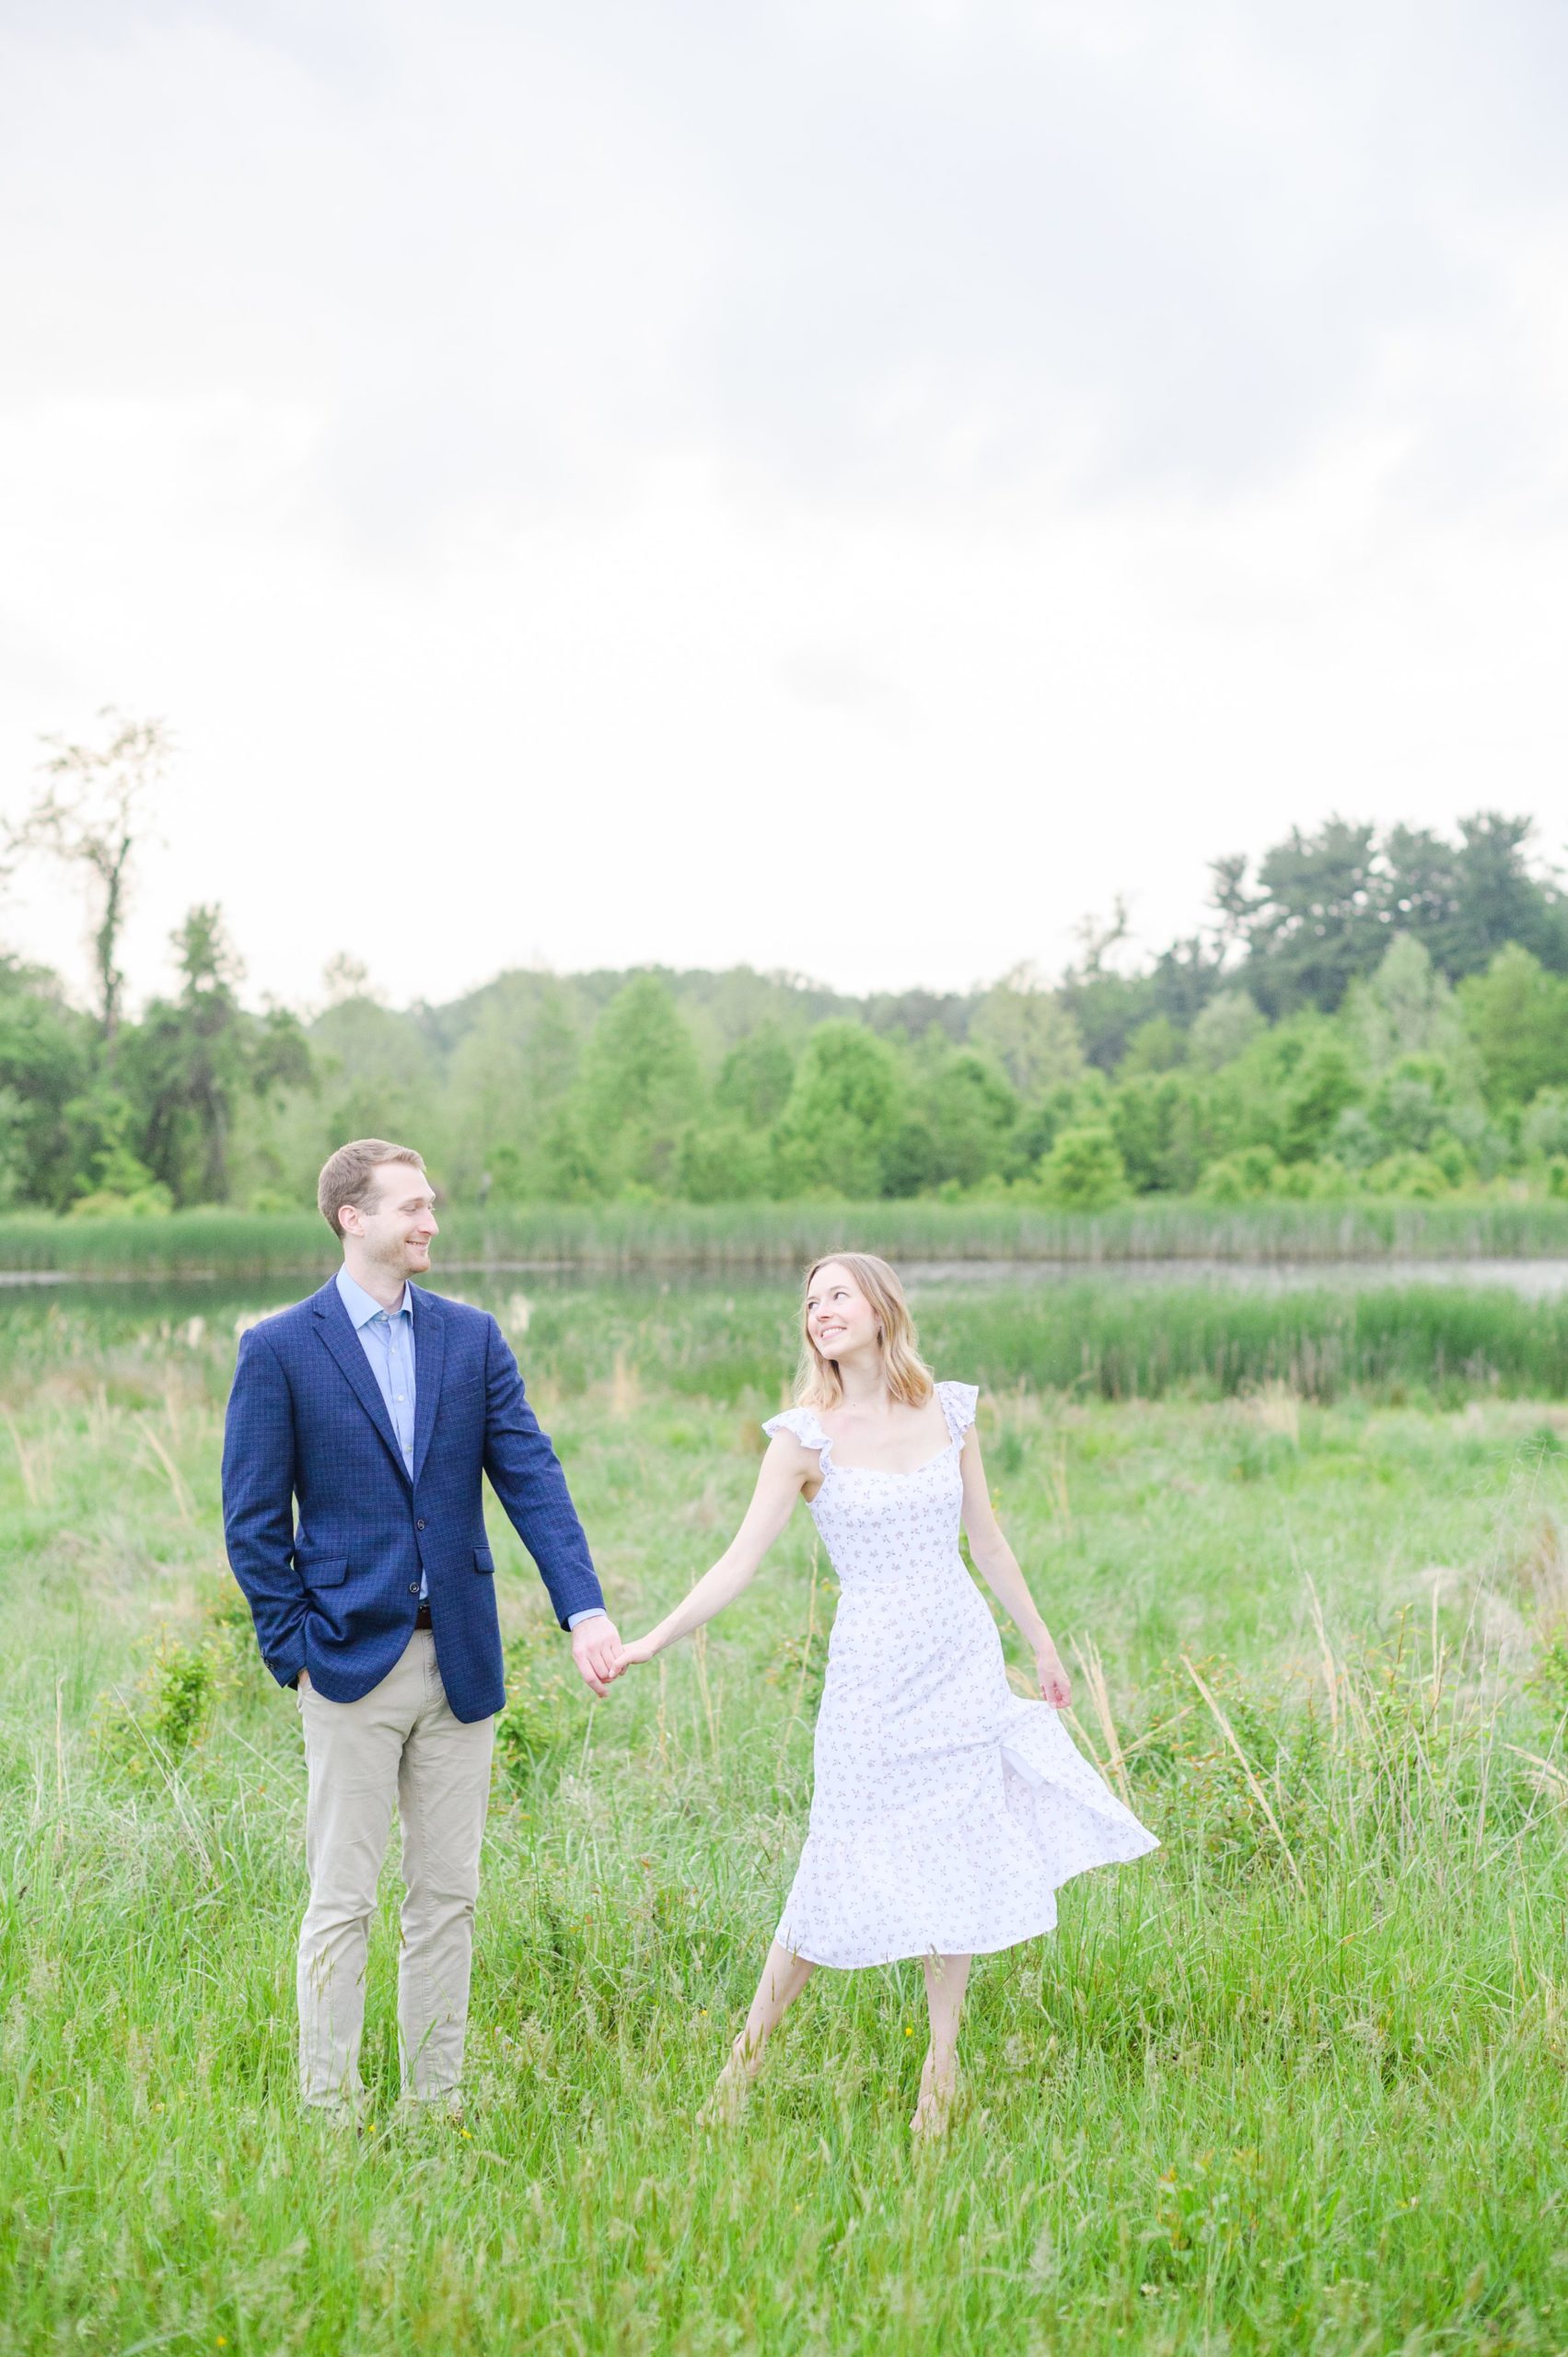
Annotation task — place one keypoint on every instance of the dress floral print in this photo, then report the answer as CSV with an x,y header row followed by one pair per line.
x,y
947,1810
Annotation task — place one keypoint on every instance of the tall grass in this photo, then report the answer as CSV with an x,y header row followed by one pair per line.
x,y
1296,2082
736,1343
1443,1343
759,1235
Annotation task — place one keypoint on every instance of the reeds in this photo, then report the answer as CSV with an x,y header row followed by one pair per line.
x,y
768,1235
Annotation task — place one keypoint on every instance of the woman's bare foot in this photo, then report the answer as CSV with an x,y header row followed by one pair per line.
x,y
732,2086
934,2111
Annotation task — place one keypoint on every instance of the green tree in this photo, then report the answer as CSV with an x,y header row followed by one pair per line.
x,y
722,1161
569,1170
1323,1084
1419,1176
374,1075
13,1147
1407,1008
639,1085
1412,1104
1225,1029
1106,1006
840,1127
756,1077
1084,1171
973,1112
191,1059
1286,1091
1317,917
510,1072
1543,1132
1155,1045
1026,1028
1184,978
46,1064
1464,901
1242,1177
1516,1015
107,1175
961,1124
1154,1122
1325,906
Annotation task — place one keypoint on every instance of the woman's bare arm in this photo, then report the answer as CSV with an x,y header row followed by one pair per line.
x,y
998,1567
787,1469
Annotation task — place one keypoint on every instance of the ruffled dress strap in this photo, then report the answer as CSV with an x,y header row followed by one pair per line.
x,y
958,1405
807,1431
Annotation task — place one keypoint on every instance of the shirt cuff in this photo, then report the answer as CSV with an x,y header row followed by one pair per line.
x,y
589,1612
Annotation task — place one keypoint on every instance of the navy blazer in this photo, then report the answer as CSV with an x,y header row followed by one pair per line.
x,y
336,1592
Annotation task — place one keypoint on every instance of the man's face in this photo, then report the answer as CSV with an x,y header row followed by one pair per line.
x,y
397,1227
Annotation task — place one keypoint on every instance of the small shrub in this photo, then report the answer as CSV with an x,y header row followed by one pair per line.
x,y
542,1713
1418,1176
1241,1178
154,1201
168,1712
1084,1171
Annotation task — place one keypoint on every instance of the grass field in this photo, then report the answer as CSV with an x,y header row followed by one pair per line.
x,y
1297,2081
770,1236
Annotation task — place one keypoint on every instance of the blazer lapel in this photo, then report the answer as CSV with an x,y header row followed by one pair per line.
x,y
429,1350
337,1332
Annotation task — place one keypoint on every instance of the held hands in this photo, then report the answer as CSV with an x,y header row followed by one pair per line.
x,y
601,1657
596,1649
1053,1682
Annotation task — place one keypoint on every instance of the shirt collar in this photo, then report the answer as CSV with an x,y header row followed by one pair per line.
x,y
362,1306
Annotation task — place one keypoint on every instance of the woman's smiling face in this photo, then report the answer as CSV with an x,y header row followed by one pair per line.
x,y
839,1318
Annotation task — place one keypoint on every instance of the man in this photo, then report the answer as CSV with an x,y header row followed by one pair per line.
x,y
375,1407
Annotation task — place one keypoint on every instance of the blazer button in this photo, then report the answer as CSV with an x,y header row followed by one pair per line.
x,y
420,1523
413,1587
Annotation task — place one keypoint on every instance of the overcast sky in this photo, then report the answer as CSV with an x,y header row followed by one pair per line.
x,y
846,486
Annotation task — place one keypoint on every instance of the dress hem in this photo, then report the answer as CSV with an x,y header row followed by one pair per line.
x,y
914,1955
987,1947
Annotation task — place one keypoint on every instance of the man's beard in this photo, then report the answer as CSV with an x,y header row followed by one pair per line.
x,y
400,1257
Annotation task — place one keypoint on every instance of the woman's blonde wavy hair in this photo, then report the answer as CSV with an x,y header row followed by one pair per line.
x,y
908,1379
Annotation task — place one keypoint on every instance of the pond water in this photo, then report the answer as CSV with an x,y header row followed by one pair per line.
x,y
1531,1280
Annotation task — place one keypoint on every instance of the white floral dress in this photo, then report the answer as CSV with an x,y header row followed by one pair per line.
x,y
947,1809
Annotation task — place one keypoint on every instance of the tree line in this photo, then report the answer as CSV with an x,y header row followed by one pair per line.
x,y
1364,1012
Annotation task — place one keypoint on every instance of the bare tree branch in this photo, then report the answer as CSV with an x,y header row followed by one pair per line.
x,y
90,817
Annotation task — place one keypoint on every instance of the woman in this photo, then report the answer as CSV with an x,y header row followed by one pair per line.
x,y
947,1809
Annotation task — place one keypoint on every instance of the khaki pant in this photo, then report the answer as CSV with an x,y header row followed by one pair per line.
x,y
398,1743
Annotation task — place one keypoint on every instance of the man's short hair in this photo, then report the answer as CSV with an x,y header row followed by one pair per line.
x,y
347,1176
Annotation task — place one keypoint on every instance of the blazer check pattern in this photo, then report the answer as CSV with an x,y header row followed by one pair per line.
x,y
328,1536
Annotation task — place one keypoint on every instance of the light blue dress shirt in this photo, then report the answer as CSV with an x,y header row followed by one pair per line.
x,y
386,1336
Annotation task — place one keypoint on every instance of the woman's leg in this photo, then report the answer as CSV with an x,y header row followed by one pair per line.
x,y
945,1980
783,1978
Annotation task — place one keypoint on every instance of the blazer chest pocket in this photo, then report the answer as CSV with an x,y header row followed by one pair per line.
x,y
321,1571
483,1560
